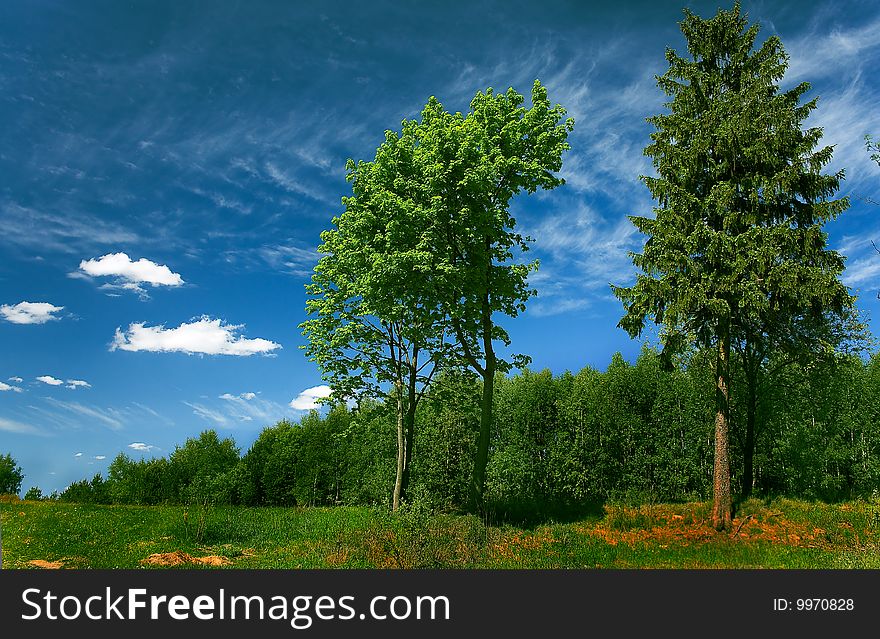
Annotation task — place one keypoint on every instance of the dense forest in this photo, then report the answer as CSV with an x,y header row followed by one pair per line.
x,y
635,432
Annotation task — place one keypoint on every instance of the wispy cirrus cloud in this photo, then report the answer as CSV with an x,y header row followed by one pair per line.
x,y
38,230
19,428
203,336
209,414
581,253
822,51
248,407
108,417
839,62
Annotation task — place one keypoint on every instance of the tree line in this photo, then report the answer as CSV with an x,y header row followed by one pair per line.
x,y
561,444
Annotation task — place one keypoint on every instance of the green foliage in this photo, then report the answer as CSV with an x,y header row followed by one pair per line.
x,y
449,426
10,475
476,163
34,494
425,250
735,251
873,148
87,492
738,231
193,468
563,445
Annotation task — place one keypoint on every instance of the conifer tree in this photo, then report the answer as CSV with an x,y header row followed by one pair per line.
x,y
737,237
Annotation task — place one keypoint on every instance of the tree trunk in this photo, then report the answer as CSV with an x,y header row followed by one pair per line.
x,y
401,451
409,424
748,478
478,479
722,508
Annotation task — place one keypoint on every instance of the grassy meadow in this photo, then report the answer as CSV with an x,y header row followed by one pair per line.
x,y
767,534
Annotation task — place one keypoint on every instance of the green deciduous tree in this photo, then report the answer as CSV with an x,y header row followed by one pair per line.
x,y
10,475
376,328
195,467
422,257
737,239
774,341
476,164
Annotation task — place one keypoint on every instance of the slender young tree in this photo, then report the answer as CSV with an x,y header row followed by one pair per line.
x,y
376,327
476,164
766,348
737,237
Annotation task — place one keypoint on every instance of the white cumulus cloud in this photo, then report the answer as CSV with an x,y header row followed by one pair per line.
x,y
100,457
130,274
16,379
30,312
78,455
51,381
141,447
8,387
73,384
203,336
307,400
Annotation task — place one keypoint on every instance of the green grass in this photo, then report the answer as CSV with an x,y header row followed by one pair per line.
x,y
777,534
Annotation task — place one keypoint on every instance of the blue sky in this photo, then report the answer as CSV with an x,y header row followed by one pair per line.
x,y
167,168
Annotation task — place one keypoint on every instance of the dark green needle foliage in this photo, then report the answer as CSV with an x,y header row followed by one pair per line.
x,y
737,237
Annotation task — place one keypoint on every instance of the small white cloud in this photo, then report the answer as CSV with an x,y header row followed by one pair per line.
x,y
130,275
202,336
78,455
30,312
51,381
100,457
232,398
141,447
8,387
16,378
306,400
73,384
